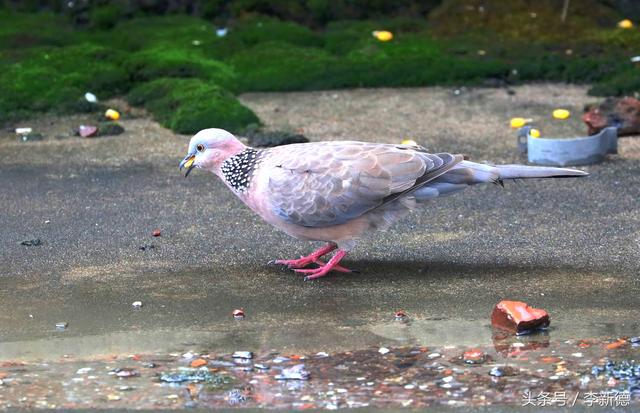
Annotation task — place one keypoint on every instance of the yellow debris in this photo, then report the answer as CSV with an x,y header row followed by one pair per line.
x,y
561,114
383,35
625,24
409,142
112,114
519,122
534,133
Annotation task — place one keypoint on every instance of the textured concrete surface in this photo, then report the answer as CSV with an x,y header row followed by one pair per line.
x,y
569,246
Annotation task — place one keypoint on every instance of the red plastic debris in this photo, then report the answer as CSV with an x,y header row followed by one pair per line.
x,y
518,317
156,233
238,314
474,356
198,363
87,131
400,315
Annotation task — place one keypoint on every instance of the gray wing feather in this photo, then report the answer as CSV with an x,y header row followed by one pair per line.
x,y
329,183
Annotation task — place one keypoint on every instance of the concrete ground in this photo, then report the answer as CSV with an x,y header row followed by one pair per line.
x,y
569,246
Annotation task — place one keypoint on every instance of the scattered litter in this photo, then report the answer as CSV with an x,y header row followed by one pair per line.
x,y
90,97
625,24
519,122
238,314
125,372
535,133
242,355
565,152
561,114
87,131
137,304
617,344
281,359
383,350
84,370
260,366
32,242
382,35
198,363
112,114
235,397
635,59
189,355
474,356
188,374
196,42
409,142
322,354
518,317
482,52
400,315
62,325
296,372
156,233
222,31
499,371
113,397
23,131
434,355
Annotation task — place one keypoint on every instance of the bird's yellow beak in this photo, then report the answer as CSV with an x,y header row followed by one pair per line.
x,y
188,163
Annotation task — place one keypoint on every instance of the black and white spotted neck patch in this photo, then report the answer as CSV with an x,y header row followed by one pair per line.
x,y
238,169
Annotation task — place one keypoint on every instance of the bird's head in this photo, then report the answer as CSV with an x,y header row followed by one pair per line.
x,y
209,148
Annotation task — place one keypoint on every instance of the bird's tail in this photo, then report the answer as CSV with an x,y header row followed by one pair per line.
x,y
474,173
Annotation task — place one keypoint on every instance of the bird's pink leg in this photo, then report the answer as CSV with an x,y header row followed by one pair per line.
x,y
325,269
312,258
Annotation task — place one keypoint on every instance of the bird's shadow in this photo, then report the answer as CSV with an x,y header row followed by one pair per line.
x,y
440,270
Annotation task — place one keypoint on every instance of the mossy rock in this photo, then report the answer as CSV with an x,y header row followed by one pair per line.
x,y
110,129
258,29
56,78
621,84
153,63
190,105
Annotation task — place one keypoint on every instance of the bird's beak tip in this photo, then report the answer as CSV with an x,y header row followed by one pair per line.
x,y
188,164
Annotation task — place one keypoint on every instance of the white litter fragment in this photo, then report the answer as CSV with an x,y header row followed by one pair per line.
x,y
90,97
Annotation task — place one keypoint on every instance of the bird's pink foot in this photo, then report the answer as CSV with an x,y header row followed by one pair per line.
x,y
324,269
313,258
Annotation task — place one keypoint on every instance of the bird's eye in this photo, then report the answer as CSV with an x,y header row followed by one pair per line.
x,y
200,147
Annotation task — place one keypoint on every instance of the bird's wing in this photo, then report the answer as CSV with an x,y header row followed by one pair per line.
x,y
329,183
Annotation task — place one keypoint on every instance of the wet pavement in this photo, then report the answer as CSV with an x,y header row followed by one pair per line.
x,y
571,247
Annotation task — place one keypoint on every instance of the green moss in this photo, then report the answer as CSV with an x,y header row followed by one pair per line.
x,y
623,83
190,105
56,78
152,63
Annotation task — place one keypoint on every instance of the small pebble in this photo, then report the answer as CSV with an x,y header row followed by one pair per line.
x,y
125,372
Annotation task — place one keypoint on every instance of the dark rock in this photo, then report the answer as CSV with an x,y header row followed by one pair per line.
x,y
517,317
622,113
274,138
110,129
147,247
32,243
